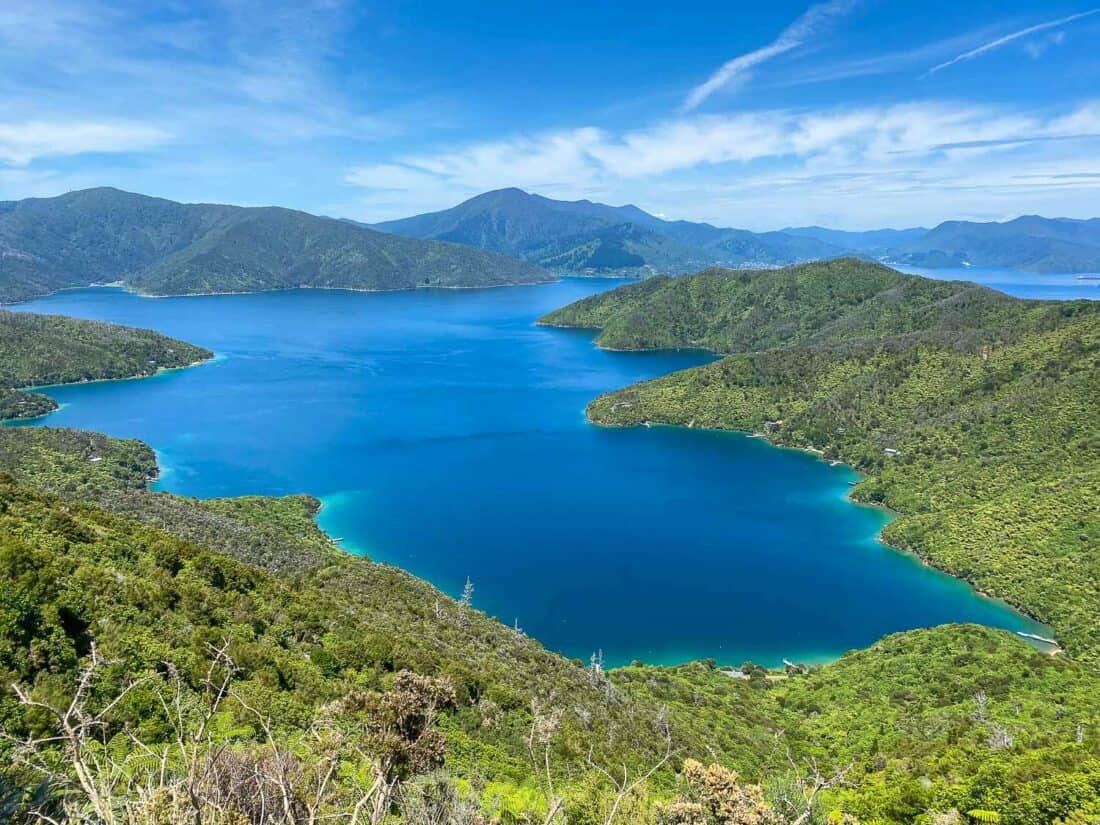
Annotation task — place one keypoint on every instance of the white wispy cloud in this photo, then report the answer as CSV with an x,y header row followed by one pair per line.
x,y
985,48
22,143
802,30
713,167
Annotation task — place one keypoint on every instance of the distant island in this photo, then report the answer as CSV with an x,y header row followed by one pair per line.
x,y
972,414
37,350
159,247
583,237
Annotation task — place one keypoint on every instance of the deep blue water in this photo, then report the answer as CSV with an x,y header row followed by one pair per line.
x,y
445,433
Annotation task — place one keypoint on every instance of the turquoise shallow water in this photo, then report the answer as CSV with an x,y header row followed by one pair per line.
x,y
445,434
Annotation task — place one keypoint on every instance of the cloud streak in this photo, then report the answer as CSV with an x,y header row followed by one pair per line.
x,y
985,48
714,167
22,143
737,70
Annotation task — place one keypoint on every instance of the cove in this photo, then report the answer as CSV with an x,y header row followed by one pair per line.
x,y
445,434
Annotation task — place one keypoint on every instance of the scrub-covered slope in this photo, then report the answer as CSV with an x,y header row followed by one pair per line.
x,y
957,717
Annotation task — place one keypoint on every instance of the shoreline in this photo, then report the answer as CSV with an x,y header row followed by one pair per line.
x,y
121,285
605,348
38,388
158,371
506,285
1048,631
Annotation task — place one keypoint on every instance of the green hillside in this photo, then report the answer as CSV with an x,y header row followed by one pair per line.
x,y
160,247
843,300
37,350
972,414
959,717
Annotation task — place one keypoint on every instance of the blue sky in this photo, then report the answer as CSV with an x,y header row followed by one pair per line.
x,y
848,113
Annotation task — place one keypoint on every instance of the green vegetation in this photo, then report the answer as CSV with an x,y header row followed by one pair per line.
x,y
15,404
159,247
958,717
182,660
843,302
972,414
37,350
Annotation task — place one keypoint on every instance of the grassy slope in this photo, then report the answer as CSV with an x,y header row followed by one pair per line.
x,y
39,350
991,403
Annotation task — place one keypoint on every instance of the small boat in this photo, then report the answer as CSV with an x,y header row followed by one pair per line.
x,y
1037,638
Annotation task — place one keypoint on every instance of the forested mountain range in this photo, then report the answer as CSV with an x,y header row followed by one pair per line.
x,y
577,237
580,236
1030,243
160,247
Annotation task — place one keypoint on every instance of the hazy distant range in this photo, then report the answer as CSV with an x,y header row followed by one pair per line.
x,y
587,237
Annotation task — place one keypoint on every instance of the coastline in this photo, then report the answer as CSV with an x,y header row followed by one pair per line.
x,y
158,371
122,286
506,285
38,388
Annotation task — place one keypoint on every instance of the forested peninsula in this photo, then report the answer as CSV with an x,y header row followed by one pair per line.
x,y
972,414
40,350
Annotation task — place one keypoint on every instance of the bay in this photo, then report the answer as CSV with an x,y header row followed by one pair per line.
x,y
445,434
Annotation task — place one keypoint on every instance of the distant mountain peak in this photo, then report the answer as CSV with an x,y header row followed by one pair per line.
x,y
586,236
